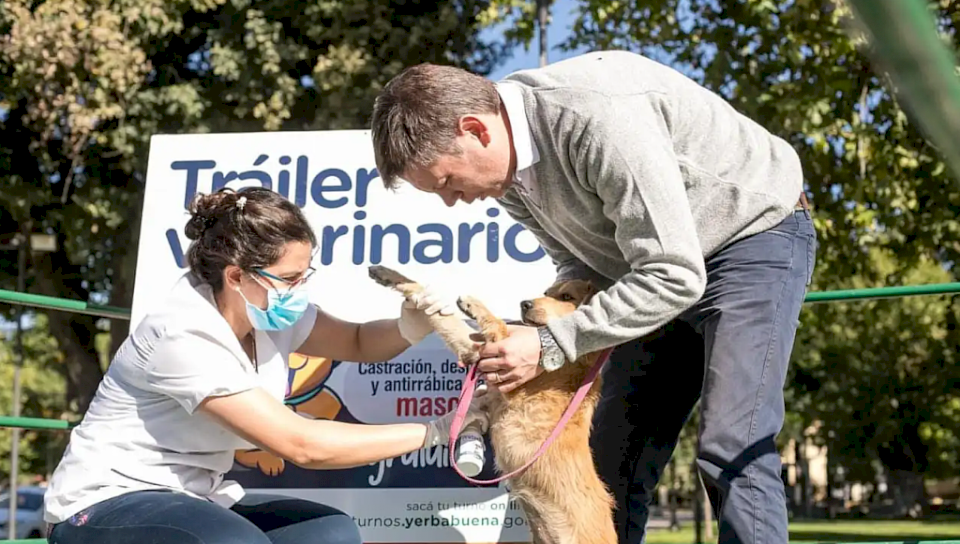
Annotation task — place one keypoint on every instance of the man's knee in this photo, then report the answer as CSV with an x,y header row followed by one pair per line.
x,y
753,464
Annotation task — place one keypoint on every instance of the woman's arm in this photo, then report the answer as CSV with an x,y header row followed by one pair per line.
x,y
313,443
197,371
369,342
375,341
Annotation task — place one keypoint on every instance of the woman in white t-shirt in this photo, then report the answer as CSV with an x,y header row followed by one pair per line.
x,y
205,374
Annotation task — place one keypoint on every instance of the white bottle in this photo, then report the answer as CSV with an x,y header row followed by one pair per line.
x,y
470,451
470,447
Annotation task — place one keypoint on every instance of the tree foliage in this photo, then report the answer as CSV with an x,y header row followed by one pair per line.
x,y
517,20
881,380
41,396
84,84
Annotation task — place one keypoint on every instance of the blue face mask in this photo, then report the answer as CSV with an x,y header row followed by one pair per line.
x,y
283,310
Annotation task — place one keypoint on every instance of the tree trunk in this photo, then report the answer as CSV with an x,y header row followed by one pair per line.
x,y
905,460
698,496
803,468
908,493
543,14
123,280
56,276
673,497
707,511
831,478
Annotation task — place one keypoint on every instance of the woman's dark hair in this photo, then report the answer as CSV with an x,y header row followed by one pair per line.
x,y
247,228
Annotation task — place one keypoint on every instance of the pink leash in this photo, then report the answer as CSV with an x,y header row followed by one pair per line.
x,y
466,396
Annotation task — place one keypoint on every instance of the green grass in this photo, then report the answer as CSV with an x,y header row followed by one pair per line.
x,y
840,531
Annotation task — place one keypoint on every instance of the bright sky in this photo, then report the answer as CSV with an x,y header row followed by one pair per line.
x,y
562,17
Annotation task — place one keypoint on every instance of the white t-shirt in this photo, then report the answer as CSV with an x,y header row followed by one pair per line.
x,y
142,430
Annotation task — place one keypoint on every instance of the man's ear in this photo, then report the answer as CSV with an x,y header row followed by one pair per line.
x,y
473,125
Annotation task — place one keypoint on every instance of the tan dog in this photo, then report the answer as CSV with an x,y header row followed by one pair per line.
x,y
561,494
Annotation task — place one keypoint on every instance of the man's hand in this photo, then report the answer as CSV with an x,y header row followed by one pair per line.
x,y
512,362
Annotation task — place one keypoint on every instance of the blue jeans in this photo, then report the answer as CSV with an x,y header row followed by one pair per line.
x,y
730,351
164,517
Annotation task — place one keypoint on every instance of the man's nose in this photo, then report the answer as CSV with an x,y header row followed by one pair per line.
x,y
450,199
526,305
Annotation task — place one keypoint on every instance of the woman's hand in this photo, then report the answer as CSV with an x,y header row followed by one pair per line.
x,y
415,312
414,324
432,300
438,430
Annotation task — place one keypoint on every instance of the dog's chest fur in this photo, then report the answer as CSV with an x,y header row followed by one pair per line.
x,y
521,420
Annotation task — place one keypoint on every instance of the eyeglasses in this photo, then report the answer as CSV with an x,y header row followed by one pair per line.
x,y
290,284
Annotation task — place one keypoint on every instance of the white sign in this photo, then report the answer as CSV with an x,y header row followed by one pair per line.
x,y
467,249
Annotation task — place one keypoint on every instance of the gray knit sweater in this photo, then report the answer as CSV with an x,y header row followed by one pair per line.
x,y
642,173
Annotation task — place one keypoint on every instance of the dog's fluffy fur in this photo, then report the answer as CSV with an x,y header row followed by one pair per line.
x,y
561,494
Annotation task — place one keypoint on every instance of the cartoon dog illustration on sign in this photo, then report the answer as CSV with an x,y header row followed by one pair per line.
x,y
308,396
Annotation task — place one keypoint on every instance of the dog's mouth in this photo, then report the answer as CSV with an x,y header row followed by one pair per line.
x,y
530,320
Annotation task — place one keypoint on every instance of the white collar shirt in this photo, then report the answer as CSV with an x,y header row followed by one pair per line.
x,y
525,148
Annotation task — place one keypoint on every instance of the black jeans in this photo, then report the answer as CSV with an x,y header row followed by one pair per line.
x,y
163,517
730,351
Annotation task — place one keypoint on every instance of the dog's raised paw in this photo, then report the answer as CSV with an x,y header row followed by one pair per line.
x,y
469,306
385,276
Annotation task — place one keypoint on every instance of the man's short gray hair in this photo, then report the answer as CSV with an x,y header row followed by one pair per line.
x,y
415,118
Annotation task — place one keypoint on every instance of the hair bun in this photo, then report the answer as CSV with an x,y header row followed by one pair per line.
x,y
196,226
248,228
205,210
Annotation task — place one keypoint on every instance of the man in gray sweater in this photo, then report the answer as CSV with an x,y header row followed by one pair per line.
x,y
689,216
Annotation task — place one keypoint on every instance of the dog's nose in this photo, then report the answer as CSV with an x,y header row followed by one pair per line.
x,y
526,305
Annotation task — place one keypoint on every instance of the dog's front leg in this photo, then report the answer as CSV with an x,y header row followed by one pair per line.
x,y
492,328
455,333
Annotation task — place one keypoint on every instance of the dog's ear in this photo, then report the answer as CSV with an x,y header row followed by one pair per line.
x,y
580,289
549,291
591,289
584,289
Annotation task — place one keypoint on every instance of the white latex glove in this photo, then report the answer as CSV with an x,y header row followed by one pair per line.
x,y
414,324
438,430
432,300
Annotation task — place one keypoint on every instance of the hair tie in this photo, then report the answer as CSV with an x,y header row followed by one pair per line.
x,y
241,202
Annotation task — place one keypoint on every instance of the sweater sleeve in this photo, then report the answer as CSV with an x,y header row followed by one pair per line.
x,y
568,266
625,156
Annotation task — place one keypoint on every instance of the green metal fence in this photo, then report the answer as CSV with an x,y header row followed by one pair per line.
x,y
53,303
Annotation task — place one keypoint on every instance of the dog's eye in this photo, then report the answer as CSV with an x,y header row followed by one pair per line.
x,y
566,297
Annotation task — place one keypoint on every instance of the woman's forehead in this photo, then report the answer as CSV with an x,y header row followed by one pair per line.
x,y
295,258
